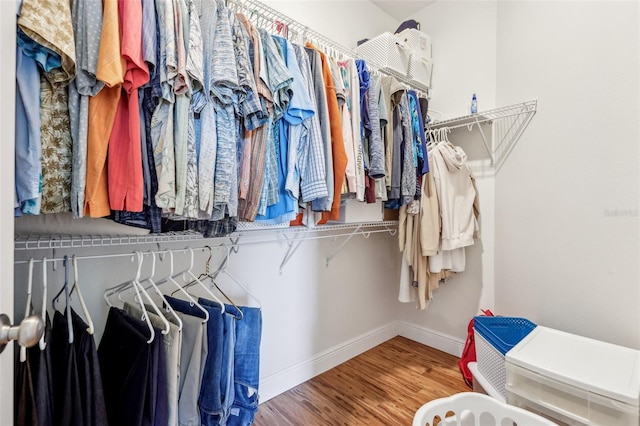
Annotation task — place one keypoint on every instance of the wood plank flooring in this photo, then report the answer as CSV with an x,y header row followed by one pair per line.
x,y
383,386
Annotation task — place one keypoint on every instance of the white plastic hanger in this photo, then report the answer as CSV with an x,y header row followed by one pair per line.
x,y
42,344
169,308
27,309
76,286
145,314
152,303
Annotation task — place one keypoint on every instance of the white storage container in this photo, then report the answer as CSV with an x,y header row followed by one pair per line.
x,y
490,364
419,70
386,52
574,379
417,42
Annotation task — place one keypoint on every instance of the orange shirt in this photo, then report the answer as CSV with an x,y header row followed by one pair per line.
x,y
102,111
337,140
126,185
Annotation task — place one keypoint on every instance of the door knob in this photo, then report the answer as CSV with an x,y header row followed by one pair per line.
x,y
27,333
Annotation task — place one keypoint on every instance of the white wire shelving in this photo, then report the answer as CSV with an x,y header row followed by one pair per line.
x,y
508,125
293,237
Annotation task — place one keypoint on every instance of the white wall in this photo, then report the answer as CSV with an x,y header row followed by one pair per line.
x,y
567,199
343,21
464,53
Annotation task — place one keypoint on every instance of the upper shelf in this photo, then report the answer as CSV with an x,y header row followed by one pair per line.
x,y
508,124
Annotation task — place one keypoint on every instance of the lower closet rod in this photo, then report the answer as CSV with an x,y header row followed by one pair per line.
x,y
111,256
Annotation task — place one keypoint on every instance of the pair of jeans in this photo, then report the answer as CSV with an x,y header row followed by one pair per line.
x,y
246,367
212,392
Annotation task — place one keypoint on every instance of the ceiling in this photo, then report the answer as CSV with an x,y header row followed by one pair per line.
x,y
402,10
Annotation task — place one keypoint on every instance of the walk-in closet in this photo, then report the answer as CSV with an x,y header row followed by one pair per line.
x,y
236,212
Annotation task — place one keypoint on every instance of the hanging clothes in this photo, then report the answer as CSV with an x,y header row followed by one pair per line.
x,y
102,112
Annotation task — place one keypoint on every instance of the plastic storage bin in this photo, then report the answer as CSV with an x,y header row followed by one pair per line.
x,y
573,379
417,42
419,70
385,51
494,336
503,332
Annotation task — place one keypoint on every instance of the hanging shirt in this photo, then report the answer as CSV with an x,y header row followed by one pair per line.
x,y
28,168
356,127
225,86
102,110
311,161
374,138
125,152
162,119
408,178
322,204
49,24
337,142
87,26
249,204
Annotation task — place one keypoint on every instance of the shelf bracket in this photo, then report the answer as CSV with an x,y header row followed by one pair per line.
x,y
293,247
484,141
341,246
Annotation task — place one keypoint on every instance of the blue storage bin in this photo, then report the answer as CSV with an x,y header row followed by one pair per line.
x,y
503,333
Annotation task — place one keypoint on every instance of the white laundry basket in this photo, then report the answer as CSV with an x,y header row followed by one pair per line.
x,y
475,409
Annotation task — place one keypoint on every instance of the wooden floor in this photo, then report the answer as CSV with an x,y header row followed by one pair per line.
x,y
383,386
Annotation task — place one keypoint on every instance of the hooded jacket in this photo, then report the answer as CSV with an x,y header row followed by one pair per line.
x,y
455,186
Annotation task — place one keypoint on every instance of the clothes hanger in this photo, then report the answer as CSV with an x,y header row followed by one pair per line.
x,y
42,344
152,303
85,311
188,296
197,280
65,263
223,269
27,309
213,281
145,314
169,308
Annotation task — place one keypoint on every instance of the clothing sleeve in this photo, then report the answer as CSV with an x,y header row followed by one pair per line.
x,y
429,216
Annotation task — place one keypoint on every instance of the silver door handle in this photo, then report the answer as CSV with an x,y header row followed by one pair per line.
x,y
27,333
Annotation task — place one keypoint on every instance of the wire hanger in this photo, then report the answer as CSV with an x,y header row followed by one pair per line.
x,y
76,286
213,281
188,296
223,269
169,308
208,291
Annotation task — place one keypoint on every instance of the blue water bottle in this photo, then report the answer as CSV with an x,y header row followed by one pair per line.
x,y
474,104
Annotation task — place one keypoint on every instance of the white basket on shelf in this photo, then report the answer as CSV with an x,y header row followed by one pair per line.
x,y
385,51
417,42
420,70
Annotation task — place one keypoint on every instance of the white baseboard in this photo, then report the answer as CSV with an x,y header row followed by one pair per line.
x,y
277,383
435,339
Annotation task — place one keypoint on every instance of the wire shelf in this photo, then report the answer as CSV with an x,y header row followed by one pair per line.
x,y
508,123
43,242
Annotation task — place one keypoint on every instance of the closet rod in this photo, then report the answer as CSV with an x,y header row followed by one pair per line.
x,y
116,255
266,12
220,246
